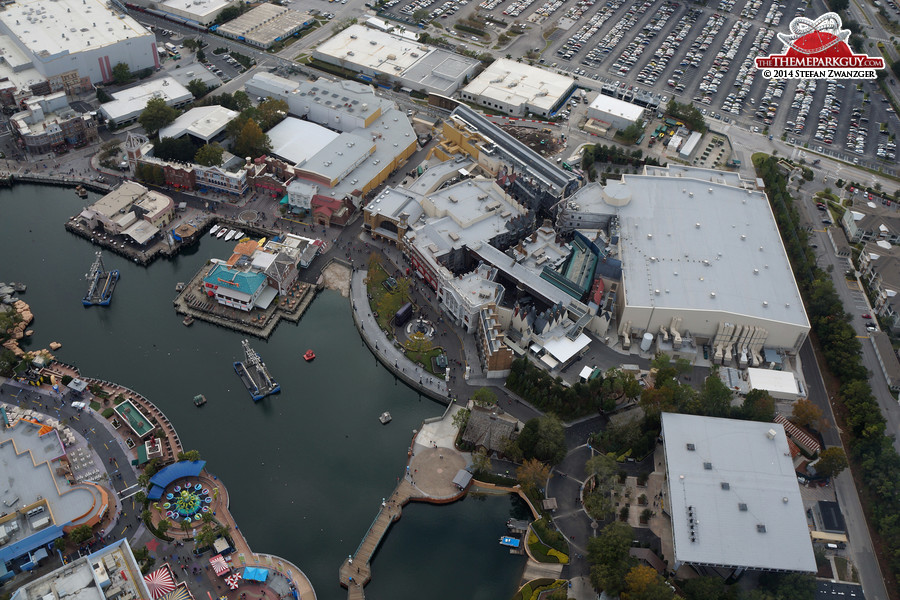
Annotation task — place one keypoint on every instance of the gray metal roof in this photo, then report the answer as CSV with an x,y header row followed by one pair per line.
x,y
734,482
690,243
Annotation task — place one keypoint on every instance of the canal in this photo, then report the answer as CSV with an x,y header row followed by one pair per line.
x,y
306,469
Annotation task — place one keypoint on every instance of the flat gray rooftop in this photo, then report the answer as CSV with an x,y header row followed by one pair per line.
x,y
440,70
27,476
692,244
734,498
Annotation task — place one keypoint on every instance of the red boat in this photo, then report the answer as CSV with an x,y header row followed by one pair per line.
x,y
309,355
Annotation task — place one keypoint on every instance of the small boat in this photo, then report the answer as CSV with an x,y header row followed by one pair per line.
x,y
81,191
238,235
179,286
385,418
221,232
309,355
214,229
187,321
230,235
199,400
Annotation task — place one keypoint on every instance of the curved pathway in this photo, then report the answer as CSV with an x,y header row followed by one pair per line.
x,y
565,484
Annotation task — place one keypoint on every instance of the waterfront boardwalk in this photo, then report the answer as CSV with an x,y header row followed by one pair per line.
x,y
243,556
433,463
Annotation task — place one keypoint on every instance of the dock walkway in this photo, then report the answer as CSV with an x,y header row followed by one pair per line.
x,y
433,463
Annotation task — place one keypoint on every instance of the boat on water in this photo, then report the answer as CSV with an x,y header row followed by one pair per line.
x,y
102,284
81,191
187,321
179,286
230,235
309,355
199,400
385,418
214,229
238,235
254,374
221,232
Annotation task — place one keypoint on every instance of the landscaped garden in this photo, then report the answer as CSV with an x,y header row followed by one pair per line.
x,y
547,545
385,300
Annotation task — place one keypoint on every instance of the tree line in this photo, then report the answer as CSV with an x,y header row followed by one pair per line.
x,y
871,449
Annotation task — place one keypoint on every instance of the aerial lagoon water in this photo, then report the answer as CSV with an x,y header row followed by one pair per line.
x,y
306,469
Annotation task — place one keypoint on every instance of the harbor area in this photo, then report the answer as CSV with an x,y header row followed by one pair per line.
x,y
435,473
194,302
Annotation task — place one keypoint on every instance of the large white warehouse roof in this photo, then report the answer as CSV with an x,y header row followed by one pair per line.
x,y
734,497
695,244
67,25
514,83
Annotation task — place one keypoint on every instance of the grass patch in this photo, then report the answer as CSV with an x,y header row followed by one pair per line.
x,y
425,357
544,553
108,412
95,405
497,479
549,537
384,303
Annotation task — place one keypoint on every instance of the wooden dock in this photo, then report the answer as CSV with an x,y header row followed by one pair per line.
x,y
356,574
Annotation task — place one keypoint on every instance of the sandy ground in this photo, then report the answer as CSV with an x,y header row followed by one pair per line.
x,y
337,277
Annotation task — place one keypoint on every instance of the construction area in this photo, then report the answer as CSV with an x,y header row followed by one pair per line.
x,y
541,140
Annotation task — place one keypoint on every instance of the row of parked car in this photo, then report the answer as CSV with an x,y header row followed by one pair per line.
x,y
636,47
581,37
609,41
653,70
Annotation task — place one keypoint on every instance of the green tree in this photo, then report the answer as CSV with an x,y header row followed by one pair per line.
x,y
121,73
157,115
461,418
609,559
644,583
201,55
631,133
140,497
103,96
163,527
251,141
60,544
241,100
758,406
806,413
704,588
81,534
484,397
481,462
271,112
185,526
190,455
197,88
180,150
533,474
831,462
209,155
543,438
598,499
511,450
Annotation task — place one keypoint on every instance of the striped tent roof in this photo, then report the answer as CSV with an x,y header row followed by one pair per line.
x,y
160,582
218,564
180,593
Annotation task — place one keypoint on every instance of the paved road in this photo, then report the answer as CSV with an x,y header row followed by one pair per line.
x,y
565,483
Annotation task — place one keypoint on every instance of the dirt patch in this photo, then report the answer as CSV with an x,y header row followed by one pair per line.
x,y
337,277
544,141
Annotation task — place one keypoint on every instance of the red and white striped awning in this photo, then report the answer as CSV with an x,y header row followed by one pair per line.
x,y
232,580
218,564
160,582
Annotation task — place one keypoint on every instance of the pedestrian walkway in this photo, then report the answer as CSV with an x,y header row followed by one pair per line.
x,y
429,477
386,351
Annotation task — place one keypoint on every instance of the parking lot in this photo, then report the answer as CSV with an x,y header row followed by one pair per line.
x,y
695,54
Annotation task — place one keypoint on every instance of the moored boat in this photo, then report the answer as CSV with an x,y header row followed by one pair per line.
x,y
221,232
187,321
230,235
199,400
214,229
309,355
385,418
